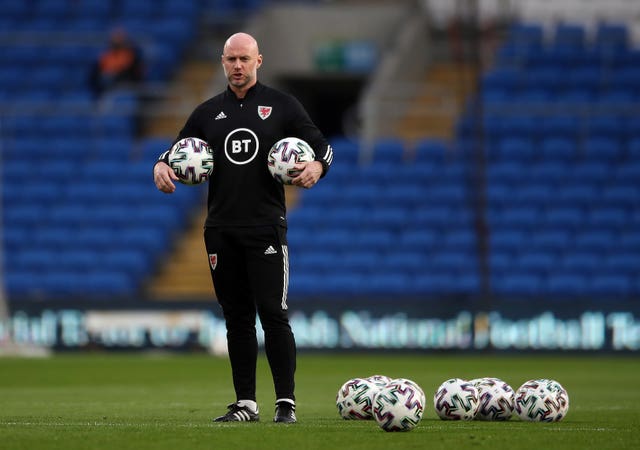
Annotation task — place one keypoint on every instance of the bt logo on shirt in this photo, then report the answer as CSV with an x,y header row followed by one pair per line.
x,y
241,146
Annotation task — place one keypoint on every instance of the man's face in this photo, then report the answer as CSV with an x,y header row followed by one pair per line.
x,y
240,61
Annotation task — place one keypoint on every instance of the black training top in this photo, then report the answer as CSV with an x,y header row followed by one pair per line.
x,y
241,132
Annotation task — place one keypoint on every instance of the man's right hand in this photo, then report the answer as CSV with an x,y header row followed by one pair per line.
x,y
164,177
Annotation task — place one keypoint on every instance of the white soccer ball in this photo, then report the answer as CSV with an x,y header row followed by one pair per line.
x,y
355,398
191,160
541,400
456,399
399,405
284,155
496,399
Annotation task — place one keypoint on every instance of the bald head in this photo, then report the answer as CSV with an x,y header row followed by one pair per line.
x,y
240,61
243,40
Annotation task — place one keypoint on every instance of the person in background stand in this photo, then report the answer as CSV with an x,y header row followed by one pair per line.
x,y
120,64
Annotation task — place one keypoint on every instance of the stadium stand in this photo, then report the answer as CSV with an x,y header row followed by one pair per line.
x,y
81,217
560,132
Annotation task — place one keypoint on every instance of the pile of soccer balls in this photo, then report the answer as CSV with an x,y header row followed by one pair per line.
x,y
492,399
395,404
398,404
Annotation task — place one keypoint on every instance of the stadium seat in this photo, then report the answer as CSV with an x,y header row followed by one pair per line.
x,y
558,149
566,284
572,35
602,149
389,150
515,284
611,285
556,240
540,262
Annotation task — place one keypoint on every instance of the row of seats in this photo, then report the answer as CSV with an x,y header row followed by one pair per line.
x,y
557,213
567,34
81,216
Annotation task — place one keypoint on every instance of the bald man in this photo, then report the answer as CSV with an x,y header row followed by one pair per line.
x,y
245,231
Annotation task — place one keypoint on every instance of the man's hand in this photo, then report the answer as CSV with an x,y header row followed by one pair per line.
x,y
311,172
163,177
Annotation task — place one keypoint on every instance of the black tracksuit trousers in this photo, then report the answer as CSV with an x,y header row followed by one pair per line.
x,y
250,272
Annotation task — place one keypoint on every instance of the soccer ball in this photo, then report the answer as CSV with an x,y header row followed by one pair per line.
x,y
541,400
191,160
354,399
399,405
284,155
496,399
456,399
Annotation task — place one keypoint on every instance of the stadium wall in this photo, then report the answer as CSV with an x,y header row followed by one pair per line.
x,y
516,325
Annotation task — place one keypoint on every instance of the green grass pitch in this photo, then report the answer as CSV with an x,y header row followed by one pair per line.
x,y
139,401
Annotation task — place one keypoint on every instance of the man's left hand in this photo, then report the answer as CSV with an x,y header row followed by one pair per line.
x,y
311,173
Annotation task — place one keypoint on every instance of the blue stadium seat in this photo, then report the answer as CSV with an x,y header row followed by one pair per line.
x,y
567,284
561,126
405,194
345,283
508,240
558,149
389,150
611,285
611,36
552,171
571,35
538,195
524,217
515,284
576,194
609,218
390,217
583,260
316,261
407,262
432,283
621,195
569,217
535,261
433,151
375,239
595,239
602,149
132,261
390,283
556,240
546,78
506,171
417,239
358,261
107,284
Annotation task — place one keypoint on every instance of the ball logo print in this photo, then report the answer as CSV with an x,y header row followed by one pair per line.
x,y
191,159
241,146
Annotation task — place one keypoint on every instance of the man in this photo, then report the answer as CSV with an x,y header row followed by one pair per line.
x,y
120,64
245,229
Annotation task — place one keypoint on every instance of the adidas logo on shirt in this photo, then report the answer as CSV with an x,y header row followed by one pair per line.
x,y
270,250
222,115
